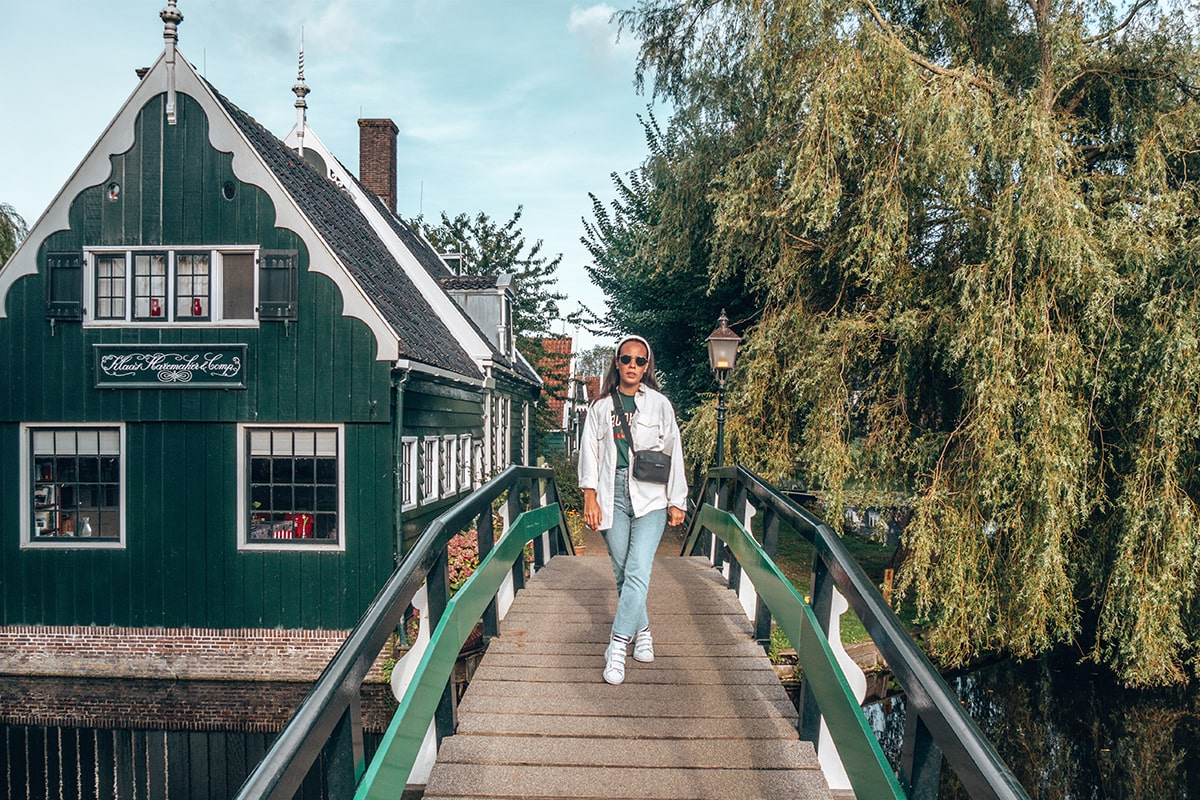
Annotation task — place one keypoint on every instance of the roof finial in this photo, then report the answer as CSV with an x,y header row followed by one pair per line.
x,y
301,90
171,18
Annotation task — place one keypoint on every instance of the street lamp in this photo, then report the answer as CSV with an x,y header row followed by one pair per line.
x,y
722,353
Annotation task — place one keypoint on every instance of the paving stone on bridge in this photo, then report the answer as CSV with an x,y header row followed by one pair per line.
x,y
707,719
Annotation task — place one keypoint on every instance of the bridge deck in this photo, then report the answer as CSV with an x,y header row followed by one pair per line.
x,y
707,719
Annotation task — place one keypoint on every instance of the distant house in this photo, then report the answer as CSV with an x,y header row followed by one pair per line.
x,y
234,387
556,367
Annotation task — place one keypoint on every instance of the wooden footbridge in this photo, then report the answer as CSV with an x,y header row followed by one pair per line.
x,y
708,718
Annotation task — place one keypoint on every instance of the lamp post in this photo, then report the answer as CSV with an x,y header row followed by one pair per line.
x,y
722,353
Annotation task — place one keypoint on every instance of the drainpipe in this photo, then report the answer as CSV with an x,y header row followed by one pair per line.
x,y
399,378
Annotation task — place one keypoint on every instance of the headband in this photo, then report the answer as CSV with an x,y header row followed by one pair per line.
x,y
632,338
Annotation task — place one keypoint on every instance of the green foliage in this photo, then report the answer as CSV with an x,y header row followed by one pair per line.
x,y
779,643
593,362
12,231
968,234
491,248
651,258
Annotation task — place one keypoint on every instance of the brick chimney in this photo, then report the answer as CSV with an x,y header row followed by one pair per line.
x,y
377,158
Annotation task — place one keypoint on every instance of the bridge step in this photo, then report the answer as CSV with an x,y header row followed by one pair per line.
x,y
707,719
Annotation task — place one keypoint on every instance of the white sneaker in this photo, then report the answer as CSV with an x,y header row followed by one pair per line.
x,y
643,647
614,663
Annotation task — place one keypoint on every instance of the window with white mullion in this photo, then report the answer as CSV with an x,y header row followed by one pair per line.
x,y
193,286
408,471
293,481
75,481
430,447
150,286
449,466
111,285
464,462
159,287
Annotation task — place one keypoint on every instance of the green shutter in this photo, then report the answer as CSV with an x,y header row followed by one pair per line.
x,y
64,286
277,285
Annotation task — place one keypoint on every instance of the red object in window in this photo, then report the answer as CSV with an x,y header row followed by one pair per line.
x,y
155,307
302,526
196,310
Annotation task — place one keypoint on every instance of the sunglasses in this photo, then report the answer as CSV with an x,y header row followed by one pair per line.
x,y
625,359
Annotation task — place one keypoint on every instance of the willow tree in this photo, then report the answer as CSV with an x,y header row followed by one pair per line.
x,y
12,231
982,297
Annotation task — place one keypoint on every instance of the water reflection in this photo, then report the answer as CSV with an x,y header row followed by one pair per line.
x,y
114,739
1069,731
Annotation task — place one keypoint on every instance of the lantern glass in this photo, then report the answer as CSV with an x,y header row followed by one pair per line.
x,y
722,348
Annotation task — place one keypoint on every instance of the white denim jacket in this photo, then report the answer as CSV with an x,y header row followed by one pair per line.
x,y
653,428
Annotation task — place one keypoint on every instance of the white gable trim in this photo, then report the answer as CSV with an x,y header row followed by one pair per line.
x,y
224,135
451,313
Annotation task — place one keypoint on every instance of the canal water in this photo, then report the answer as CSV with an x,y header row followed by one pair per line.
x,y
63,739
1069,731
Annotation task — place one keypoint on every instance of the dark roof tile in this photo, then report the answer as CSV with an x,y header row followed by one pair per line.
x,y
423,336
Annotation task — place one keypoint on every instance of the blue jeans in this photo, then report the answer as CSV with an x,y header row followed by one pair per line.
x,y
632,542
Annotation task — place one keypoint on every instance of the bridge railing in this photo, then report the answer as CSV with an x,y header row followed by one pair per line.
x,y
327,726
936,726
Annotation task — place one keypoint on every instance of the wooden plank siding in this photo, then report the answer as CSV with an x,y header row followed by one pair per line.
x,y
180,565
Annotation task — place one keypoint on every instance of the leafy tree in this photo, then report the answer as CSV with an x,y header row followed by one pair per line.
x,y
492,248
12,231
971,232
593,362
652,255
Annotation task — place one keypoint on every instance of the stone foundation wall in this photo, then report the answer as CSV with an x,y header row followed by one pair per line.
x,y
170,653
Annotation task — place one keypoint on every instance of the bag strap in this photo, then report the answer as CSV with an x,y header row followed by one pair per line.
x,y
619,410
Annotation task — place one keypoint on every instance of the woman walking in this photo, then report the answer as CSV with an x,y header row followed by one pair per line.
x,y
630,512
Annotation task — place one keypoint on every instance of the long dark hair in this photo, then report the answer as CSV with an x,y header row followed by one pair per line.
x,y
612,378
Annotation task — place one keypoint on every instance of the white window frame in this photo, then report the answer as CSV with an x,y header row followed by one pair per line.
x,y
25,484
430,447
245,543
408,466
449,465
505,433
477,462
464,462
216,286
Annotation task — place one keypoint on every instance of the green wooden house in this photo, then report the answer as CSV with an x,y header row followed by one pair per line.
x,y
235,384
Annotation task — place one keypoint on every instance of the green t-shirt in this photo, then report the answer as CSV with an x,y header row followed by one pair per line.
x,y
629,406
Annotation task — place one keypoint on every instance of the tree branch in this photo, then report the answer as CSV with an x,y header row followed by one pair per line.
x,y
971,78
1138,6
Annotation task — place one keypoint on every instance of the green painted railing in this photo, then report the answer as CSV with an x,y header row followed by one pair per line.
x,y
322,743
864,760
937,728
388,771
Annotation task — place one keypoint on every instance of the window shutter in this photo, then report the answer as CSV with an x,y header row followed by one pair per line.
x,y
64,286
277,285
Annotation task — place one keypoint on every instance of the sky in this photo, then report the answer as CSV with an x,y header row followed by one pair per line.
x,y
499,104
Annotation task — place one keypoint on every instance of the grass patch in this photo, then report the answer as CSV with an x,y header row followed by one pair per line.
x,y
795,562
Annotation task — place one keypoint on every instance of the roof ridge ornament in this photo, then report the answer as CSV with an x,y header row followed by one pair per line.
x,y
171,17
300,88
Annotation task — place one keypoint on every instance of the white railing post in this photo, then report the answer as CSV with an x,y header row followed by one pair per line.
x,y
827,754
746,592
507,591
403,674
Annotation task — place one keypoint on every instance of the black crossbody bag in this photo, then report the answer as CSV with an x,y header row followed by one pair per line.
x,y
650,466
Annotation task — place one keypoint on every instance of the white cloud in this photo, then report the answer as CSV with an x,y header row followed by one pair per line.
x,y
596,28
